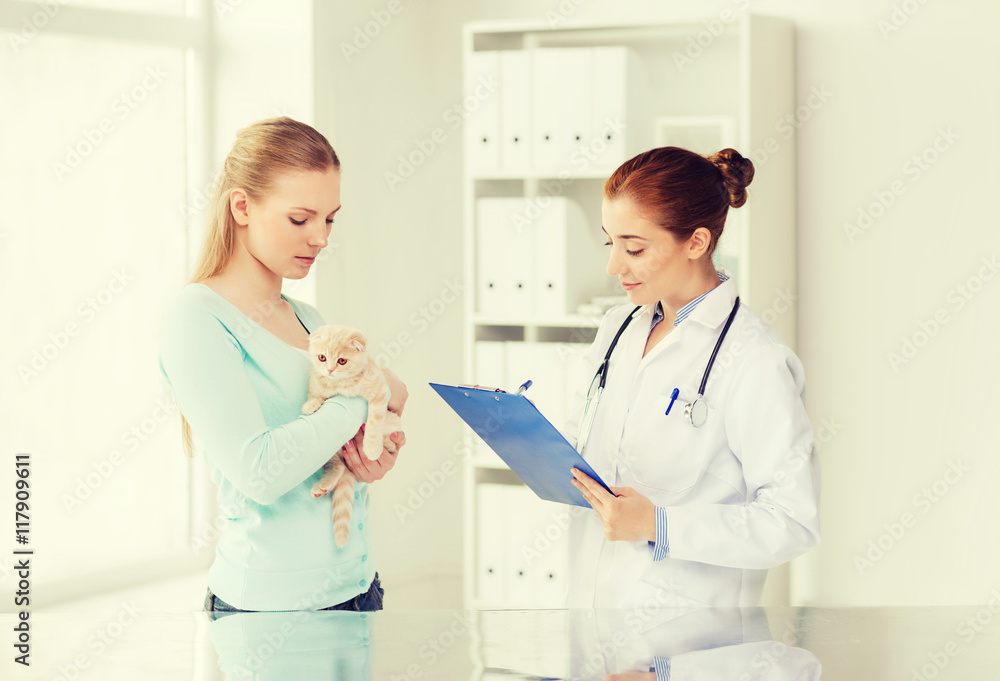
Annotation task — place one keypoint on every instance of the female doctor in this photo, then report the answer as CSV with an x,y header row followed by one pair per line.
x,y
695,415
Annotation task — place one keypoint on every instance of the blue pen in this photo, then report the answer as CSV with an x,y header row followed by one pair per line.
x,y
673,396
524,386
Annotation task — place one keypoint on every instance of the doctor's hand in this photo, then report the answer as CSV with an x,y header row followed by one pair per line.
x,y
629,516
398,390
363,468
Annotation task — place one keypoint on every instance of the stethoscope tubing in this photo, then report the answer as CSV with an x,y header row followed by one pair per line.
x,y
602,371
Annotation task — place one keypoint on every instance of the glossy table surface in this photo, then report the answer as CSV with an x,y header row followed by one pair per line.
x,y
910,644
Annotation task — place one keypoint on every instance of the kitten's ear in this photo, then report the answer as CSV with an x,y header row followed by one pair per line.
x,y
358,340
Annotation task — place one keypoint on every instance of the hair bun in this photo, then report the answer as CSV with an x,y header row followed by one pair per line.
x,y
737,173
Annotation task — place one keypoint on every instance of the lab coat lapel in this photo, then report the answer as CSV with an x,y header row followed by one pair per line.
x,y
715,308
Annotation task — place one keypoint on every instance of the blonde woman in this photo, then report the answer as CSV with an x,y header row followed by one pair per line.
x,y
234,354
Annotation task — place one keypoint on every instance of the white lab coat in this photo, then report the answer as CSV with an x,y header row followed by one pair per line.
x,y
741,492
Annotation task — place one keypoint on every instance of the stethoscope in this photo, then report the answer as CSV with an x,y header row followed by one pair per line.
x,y
695,411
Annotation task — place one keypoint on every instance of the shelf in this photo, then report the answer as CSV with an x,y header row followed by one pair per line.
x,y
559,176
698,82
569,321
489,462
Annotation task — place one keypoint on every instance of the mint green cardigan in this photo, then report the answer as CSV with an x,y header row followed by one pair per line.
x,y
241,388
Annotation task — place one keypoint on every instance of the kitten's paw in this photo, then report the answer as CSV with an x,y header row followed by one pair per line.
x,y
372,445
311,406
319,490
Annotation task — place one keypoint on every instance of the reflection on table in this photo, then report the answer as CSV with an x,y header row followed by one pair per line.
x,y
736,644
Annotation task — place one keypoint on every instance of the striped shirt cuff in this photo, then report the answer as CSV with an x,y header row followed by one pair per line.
x,y
661,547
661,665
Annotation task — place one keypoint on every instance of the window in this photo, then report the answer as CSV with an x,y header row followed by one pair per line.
x,y
102,130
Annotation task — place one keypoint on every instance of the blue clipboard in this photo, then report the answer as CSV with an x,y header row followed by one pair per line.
x,y
526,441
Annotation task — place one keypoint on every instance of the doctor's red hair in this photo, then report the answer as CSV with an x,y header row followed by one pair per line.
x,y
681,191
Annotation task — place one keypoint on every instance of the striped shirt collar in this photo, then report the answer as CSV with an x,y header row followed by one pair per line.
x,y
683,313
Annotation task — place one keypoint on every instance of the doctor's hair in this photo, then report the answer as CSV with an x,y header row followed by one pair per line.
x,y
262,151
681,190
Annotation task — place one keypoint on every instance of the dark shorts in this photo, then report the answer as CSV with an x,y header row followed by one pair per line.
x,y
368,601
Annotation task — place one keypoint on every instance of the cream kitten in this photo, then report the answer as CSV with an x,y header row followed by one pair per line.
x,y
341,366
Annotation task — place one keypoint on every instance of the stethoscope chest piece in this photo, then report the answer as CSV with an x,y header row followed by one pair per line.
x,y
697,411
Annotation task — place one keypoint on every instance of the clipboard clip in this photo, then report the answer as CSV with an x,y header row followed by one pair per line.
x,y
480,387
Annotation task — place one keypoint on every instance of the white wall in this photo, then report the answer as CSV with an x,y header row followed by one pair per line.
x,y
396,262
892,430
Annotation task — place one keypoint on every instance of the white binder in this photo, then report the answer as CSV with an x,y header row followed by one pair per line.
x,y
522,255
536,549
573,269
490,369
519,581
482,101
577,90
491,543
537,259
515,112
546,367
610,122
552,238
548,117
492,276
552,573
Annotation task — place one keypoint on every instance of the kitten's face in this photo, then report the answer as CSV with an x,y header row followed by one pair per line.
x,y
337,351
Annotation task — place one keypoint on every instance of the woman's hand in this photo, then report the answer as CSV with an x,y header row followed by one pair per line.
x,y
626,517
363,468
398,389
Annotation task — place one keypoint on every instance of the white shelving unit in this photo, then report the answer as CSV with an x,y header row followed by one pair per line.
x,y
734,92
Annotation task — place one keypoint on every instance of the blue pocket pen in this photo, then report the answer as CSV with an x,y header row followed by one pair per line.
x,y
673,397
